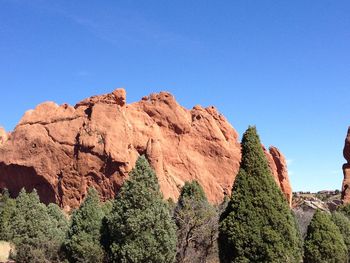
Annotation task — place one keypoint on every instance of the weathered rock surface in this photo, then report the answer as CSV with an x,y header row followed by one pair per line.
x,y
62,150
346,170
278,166
3,136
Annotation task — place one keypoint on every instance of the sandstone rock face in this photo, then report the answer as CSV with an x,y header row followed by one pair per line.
x,y
282,172
346,170
62,150
3,136
278,166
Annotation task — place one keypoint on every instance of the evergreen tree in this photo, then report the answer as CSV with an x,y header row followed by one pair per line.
x,y
344,209
343,223
197,224
257,225
32,230
59,222
324,242
7,210
140,225
84,234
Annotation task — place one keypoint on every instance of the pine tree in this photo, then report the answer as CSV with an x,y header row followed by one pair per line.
x,y
84,235
257,225
197,224
343,223
140,225
324,242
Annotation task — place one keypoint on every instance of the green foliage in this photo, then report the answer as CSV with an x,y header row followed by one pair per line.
x,y
107,207
324,242
197,223
140,225
257,225
344,209
171,205
83,238
59,222
7,210
343,223
34,230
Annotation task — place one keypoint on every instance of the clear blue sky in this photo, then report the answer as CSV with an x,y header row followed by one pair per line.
x,y
283,66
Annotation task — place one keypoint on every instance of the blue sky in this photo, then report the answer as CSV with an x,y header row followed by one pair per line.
x,y
283,66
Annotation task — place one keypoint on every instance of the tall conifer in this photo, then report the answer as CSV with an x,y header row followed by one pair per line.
x,y
257,225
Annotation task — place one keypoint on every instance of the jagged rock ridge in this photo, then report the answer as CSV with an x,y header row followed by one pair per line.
x,y
62,150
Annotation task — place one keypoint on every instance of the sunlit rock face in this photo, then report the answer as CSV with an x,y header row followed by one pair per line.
x,y
62,150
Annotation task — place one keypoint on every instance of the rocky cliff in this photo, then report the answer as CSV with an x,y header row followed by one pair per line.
x,y
62,150
346,170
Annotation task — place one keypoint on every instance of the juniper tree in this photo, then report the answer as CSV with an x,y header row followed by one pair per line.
x,y
324,242
344,209
140,225
197,224
7,210
34,231
343,223
257,225
84,234
59,221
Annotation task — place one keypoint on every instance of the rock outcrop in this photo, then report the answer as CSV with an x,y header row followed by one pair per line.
x,y
346,170
278,166
62,150
3,136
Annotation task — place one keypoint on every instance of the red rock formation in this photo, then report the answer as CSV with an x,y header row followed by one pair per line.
x,y
278,166
281,173
62,150
3,136
346,170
